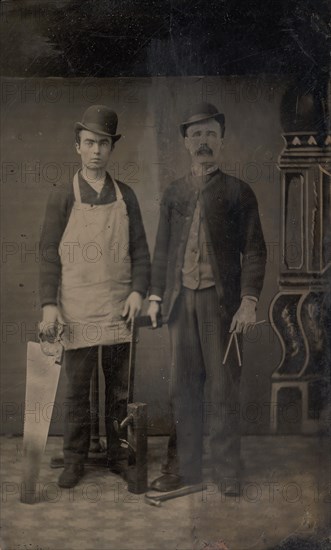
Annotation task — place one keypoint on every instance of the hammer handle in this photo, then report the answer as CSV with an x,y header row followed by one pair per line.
x,y
183,491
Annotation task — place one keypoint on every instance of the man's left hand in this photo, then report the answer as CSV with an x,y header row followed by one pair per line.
x,y
132,306
245,317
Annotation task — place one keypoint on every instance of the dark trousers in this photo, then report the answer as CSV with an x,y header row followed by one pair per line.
x,y
202,388
79,365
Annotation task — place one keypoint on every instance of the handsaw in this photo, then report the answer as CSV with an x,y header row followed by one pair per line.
x,y
44,360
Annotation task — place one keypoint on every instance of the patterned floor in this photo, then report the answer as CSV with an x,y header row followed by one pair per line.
x,y
284,499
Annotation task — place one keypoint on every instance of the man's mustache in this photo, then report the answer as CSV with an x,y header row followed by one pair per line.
x,y
204,149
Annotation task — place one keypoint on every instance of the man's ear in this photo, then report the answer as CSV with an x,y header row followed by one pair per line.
x,y
187,143
77,145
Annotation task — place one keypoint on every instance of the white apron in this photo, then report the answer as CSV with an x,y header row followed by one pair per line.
x,y
96,273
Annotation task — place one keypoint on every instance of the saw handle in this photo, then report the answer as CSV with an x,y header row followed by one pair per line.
x,y
53,346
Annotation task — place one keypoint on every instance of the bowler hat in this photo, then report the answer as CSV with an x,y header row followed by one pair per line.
x,y
200,112
100,120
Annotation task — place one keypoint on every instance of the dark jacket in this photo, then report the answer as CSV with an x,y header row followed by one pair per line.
x,y
57,214
237,250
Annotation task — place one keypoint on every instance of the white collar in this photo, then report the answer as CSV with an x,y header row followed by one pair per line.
x,y
206,172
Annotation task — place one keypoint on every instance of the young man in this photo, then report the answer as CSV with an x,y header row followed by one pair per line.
x,y
208,271
94,275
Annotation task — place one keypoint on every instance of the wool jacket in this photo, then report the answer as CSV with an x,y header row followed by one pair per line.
x,y
57,214
235,242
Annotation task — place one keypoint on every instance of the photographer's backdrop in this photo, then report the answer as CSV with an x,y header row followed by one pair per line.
x,y
37,140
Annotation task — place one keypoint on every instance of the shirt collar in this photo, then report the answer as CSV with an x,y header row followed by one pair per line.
x,y
200,182
208,171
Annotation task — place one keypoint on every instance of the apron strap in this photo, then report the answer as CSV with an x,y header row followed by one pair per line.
x,y
76,188
119,195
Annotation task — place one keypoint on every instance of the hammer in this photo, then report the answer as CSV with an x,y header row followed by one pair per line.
x,y
156,500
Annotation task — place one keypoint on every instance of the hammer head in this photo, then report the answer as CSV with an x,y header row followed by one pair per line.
x,y
153,501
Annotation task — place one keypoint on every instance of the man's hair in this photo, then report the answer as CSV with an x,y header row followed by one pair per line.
x,y
222,125
77,138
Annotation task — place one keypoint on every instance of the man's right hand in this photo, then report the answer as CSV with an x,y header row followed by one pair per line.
x,y
153,311
50,320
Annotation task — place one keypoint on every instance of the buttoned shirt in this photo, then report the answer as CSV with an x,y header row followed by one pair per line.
x,y
197,271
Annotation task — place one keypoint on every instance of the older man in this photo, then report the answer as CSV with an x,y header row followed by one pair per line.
x,y
93,283
207,272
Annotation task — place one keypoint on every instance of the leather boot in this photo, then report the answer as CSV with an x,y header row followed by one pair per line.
x,y
71,475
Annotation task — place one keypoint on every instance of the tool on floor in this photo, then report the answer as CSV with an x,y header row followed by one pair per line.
x,y
156,500
44,361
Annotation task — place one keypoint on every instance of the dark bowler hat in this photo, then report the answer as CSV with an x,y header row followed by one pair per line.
x,y
101,120
200,112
